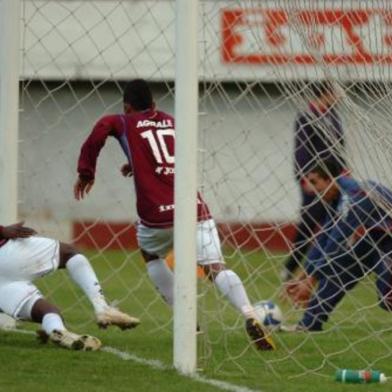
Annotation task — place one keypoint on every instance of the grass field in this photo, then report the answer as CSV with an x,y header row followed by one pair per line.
x,y
359,335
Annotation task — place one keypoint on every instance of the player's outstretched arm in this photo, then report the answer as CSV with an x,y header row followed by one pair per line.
x,y
87,162
16,231
82,187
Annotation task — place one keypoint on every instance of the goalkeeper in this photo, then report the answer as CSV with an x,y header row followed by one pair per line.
x,y
355,241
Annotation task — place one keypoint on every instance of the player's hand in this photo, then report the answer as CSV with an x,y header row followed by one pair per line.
x,y
299,291
126,170
307,187
82,188
17,231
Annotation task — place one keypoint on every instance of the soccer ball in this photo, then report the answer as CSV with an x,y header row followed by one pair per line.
x,y
269,314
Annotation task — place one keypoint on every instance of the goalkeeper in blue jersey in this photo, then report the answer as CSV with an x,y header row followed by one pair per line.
x,y
355,240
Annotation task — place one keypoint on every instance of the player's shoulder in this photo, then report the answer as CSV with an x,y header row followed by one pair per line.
x,y
110,122
108,118
348,183
164,115
378,191
354,189
154,119
152,115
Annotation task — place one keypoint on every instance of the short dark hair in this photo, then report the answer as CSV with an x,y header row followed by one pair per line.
x,y
327,169
318,89
137,93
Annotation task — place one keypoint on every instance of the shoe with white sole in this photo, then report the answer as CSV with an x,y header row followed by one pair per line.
x,y
72,340
113,316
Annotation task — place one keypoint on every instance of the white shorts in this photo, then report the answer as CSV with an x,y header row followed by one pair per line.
x,y
160,242
21,261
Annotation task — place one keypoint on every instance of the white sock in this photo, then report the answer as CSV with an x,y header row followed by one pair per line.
x,y
230,285
52,321
163,279
84,276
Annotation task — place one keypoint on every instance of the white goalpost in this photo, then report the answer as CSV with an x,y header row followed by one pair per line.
x,y
186,115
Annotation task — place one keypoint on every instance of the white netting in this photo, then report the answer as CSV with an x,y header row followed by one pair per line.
x,y
258,62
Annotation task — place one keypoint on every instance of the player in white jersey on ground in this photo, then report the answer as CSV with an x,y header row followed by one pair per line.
x,y
25,257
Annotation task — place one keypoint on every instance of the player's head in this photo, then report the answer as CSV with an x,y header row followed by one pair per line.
x,y
137,96
322,93
322,178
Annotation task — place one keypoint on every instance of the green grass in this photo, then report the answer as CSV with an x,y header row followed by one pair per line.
x,y
359,335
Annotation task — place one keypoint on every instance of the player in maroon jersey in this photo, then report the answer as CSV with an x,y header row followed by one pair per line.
x,y
146,136
24,257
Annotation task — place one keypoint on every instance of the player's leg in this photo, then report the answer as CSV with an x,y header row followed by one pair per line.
x,y
53,328
23,301
161,276
382,267
384,282
343,275
231,287
155,244
81,272
327,296
228,282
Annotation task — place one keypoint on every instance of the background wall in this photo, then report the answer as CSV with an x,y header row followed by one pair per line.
x,y
246,148
253,64
256,148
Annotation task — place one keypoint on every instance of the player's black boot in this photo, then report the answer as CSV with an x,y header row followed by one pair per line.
x,y
261,338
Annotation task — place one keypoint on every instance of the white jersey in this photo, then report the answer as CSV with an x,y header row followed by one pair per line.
x,y
23,260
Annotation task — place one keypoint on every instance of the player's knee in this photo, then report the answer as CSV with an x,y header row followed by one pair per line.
x,y
212,270
35,309
148,257
67,251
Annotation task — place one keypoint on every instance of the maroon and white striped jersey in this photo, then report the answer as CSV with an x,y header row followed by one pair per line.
x,y
147,139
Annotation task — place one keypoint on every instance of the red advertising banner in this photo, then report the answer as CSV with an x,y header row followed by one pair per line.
x,y
308,37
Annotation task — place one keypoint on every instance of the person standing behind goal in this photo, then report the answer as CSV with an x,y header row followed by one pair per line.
x,y
25,257
146,136
318,137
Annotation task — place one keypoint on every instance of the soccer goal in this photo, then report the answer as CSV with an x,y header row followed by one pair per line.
x,y
258,63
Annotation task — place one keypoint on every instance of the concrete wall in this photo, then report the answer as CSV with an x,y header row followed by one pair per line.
x,y
246,130
246,147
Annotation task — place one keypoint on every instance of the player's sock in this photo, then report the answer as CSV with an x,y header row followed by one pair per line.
x,y
52,322
230,285
163,279
84,276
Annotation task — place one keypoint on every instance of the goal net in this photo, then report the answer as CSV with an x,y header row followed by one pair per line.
x,y
259,61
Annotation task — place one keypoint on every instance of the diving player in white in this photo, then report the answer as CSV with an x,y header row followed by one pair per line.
x,y
25,257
